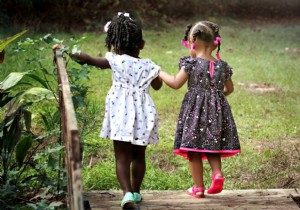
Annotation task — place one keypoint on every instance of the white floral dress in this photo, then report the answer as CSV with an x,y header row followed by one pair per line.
x,y
130,114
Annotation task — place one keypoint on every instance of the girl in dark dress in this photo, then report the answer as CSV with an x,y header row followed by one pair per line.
x,y
205,128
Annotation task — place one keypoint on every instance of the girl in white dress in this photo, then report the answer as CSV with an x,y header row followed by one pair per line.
x,y
130,118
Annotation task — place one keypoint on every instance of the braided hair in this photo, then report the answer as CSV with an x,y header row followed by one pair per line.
x,y
204,30
187,32
215,29
124,35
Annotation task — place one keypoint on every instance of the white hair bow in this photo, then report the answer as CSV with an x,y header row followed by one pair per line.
x,y
119,13
124,13
106,26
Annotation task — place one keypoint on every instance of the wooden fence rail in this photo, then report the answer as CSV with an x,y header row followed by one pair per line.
x,y
70,136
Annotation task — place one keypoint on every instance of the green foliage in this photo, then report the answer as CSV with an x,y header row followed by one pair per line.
x,y
22,148
19,173
30,144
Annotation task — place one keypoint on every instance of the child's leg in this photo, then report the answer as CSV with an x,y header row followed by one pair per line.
x,y
196,168
138,167
217,177
123,155
215,163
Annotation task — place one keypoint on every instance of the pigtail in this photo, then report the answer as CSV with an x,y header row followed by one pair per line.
x,y
219,46
218,39
215,28
187,31
185,39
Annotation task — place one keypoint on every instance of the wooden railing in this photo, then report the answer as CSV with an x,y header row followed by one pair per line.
x,y
70,136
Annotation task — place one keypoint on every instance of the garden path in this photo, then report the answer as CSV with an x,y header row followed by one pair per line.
x,y
282,199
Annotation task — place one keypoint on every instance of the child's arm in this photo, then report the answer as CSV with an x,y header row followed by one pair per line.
x,y
156,83
83,58
176,81
228,87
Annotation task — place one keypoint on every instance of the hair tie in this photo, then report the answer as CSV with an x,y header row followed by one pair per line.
x,y
125,14
217,40
185,43
119,14
107,26
218,56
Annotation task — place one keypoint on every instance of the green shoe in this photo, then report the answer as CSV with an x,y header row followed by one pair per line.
x,y
127,201
137,197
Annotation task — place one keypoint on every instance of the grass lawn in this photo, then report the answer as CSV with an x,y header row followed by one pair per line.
x,y
265,104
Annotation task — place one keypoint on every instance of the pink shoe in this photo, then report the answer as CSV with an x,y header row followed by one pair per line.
x,y
217,183
193,191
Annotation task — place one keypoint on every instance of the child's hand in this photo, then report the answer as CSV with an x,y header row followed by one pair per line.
x,y
74,55
57,47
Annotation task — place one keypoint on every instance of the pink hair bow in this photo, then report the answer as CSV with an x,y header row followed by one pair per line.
x,y
185,43
217,40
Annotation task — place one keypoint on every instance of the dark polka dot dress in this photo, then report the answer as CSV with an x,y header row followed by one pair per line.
x,y
205,122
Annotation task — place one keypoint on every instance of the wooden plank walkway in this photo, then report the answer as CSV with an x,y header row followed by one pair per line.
x,y
229,199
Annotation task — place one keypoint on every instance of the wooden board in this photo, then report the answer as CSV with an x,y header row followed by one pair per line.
x,y
229,199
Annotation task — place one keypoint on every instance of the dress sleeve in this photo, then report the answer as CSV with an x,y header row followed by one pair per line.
x,y
187,63
110,57
228,72
155,69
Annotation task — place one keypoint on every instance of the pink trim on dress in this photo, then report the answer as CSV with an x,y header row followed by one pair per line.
x,y
211,69
183,151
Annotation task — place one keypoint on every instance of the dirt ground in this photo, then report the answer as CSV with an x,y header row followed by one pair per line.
x,y
260,88
289,154
287,160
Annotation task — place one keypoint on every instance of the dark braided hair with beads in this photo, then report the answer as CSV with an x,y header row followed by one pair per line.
x,y
124,35
204,30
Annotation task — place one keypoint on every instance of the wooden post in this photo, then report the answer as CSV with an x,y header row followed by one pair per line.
x,y
70,136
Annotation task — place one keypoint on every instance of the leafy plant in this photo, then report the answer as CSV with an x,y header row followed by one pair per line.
x,y
17,142
5,42
30,144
